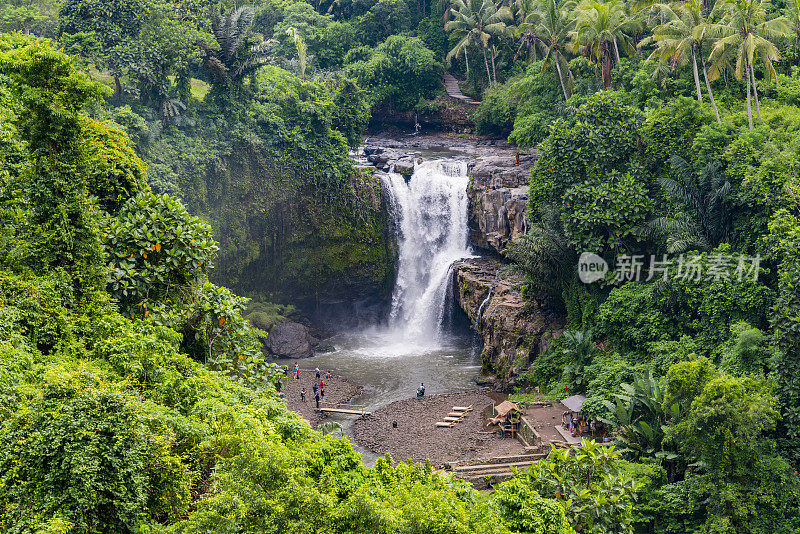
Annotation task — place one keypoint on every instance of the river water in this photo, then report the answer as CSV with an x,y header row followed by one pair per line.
x,y
426,338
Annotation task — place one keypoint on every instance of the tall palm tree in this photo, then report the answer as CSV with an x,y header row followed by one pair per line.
x,y
551,23
706,196
600,28
476,22
680,40
744,31
526,15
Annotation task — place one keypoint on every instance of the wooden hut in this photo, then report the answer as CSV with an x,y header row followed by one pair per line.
x,y
507,415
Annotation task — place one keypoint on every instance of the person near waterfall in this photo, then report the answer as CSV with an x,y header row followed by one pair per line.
x,y
421,390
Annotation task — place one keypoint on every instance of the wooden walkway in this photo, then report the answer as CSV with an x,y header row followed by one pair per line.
x,y
354,409
454,91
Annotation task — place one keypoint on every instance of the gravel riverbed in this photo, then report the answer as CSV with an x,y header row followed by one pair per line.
x,y
418,438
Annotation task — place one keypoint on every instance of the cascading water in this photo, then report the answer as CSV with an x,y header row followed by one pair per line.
x,y
430,211
425,340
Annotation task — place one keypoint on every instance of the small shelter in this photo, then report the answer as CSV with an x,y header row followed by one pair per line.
x,y
507,415
576,422
574,403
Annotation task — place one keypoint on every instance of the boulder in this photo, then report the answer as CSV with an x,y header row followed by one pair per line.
x,y
502,170
405,166
289,340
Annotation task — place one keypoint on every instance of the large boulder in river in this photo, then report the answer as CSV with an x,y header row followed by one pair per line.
x,y
289,340
404,166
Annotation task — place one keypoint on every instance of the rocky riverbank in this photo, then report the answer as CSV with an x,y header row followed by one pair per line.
x,y
337,389
514,331
417,437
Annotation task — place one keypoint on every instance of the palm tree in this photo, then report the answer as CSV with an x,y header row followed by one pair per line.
x,y
476,22
680,40
600,27
236,56
579,349
526,16
705,194
744,31
300,44
551,23
792,15
642,414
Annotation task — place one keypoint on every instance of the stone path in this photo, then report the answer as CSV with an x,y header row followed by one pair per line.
x,y
452,88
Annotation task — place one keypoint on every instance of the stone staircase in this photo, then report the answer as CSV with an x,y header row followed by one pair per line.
x,y
454,91
485,472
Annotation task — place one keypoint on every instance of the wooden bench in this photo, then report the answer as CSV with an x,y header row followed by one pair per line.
x,y
462,408
452,419
456,414
448,425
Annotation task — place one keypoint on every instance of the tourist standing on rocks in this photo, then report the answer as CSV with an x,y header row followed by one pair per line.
x,y
316,398
322,394
421,390
297,371
303,394
314,388
318,373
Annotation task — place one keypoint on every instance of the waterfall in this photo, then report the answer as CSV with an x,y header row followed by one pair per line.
x,y
430,211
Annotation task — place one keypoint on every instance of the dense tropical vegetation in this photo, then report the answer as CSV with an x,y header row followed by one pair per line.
x,y
153,152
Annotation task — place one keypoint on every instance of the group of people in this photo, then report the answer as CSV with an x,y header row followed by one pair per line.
x,y
319,385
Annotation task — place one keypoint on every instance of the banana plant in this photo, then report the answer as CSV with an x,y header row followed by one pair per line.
x,y
643,418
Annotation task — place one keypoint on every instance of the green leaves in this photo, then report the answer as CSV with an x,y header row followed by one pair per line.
x,y
590,486
156,250
398,73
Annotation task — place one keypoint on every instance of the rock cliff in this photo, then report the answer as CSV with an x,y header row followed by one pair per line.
x,y
513,331
499,199
497,216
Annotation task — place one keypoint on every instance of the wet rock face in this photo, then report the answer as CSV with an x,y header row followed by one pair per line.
x,y
514,331
499,199
289,340
498,216
502,170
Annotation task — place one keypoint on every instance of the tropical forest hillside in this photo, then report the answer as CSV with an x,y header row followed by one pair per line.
x,y
154,154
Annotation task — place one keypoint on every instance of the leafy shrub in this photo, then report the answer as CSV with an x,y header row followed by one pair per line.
x,y
397,73
590,484
671,130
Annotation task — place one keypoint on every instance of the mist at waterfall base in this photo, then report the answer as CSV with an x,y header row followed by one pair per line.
x,y
426,337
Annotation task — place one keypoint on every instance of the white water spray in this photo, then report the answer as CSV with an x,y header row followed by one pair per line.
x,y
431,215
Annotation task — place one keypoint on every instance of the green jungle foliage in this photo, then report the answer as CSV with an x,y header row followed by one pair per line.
x,y
207,145
110,421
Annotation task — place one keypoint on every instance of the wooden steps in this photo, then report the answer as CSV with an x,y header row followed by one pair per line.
x,y
483,472
455,416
